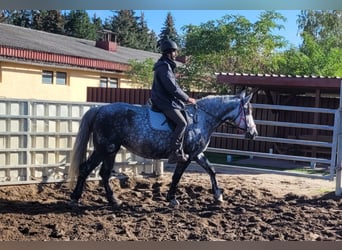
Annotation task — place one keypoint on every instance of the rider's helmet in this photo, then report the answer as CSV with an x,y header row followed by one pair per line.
x,y
168,45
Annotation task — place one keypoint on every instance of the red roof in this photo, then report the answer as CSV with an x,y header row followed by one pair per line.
x,y
40,56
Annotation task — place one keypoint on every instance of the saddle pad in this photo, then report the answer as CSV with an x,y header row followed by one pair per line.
x,y
158,120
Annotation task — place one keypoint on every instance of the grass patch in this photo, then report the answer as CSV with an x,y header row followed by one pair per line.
x,y
322,171
220,158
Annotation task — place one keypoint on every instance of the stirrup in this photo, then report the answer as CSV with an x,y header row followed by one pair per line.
x,y
178,156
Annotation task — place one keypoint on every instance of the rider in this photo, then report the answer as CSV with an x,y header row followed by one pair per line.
x,y
168,97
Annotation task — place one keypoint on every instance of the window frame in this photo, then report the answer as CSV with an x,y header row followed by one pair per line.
x,y
109,82
65,78
44,74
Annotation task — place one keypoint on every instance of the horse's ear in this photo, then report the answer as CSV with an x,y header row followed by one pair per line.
x,y
247,99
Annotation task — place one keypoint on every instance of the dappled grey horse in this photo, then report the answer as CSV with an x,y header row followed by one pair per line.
x,y
121,124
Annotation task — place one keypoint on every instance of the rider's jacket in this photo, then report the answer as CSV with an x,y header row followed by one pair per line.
x,y
166,93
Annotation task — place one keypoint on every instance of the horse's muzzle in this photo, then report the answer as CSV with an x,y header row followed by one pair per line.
x,y
250,135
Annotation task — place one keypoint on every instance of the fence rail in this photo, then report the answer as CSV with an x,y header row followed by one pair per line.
x,y
36,138
331,146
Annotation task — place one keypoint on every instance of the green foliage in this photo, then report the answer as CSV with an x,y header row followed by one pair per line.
x,y
49,20
132,33
169,31
141,73
4,15
325,26
322,42
311,59
21,18
231,44
78,24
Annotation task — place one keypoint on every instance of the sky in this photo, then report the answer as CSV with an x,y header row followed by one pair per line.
x,y
155,19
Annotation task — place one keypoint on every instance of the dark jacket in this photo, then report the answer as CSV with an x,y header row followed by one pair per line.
x,y
166,93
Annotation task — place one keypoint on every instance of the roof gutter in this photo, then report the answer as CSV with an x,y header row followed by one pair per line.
x,y
49,57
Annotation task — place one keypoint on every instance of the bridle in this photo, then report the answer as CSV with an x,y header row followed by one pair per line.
x,y
231,123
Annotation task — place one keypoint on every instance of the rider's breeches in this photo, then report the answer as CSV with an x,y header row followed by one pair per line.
x,y
177,117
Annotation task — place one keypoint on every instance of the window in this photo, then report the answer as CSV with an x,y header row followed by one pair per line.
x,y
61,78
103,82
47,77
113,83
108,82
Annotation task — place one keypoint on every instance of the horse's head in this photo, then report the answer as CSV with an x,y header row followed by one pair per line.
x,y
243,119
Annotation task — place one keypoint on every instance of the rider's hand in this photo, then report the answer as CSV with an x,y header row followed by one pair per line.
x,y
192,100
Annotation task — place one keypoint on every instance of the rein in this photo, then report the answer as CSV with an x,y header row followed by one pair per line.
x,y
230,123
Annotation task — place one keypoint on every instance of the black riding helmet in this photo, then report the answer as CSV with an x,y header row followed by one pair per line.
x,y
168,45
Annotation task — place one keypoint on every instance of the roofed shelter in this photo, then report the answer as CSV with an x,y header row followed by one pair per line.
x,y
302,91
275,85
312,91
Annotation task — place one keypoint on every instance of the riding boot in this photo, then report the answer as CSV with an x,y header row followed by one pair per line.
x,y
178,156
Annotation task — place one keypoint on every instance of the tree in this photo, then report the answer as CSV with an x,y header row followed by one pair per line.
x,y
231,44
141,73
321,50
169,31
131,30
4,14
21,18
124,24
48,20
147,38
78,24
311,59
323,25
97,22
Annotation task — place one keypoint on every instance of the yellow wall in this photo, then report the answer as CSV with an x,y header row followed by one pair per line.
x,y
24,81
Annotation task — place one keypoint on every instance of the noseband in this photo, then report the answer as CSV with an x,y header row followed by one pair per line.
x,y
235,124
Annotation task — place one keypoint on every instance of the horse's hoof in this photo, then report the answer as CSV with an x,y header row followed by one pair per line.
x,y
74,204
174,203
219,196
115,203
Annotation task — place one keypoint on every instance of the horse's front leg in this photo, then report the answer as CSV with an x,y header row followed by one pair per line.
x,y
177,174
203,161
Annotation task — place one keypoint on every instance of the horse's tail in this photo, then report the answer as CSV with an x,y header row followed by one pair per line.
x,y
79,151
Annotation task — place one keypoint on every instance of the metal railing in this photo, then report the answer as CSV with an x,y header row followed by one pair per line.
x,y
36,138
331,146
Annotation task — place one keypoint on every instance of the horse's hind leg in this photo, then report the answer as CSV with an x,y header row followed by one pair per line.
x,y
105,173
85,169
204,163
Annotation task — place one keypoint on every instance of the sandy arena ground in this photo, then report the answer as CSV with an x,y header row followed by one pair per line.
x,y
258,207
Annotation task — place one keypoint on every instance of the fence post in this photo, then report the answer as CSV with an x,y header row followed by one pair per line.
x,y
338,189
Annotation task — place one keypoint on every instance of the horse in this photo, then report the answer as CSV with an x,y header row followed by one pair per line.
x,y
128,125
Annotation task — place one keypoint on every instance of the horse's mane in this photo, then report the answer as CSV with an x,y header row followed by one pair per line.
x,y
215,97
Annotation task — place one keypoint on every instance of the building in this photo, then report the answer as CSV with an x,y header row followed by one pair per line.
x,y
45,66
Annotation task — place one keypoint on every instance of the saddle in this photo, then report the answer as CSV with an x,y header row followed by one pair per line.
x,y
159,121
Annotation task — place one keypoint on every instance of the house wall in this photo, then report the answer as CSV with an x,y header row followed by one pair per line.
x,y
24,81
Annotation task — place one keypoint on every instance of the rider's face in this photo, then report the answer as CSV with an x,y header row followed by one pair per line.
x,y
173,54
